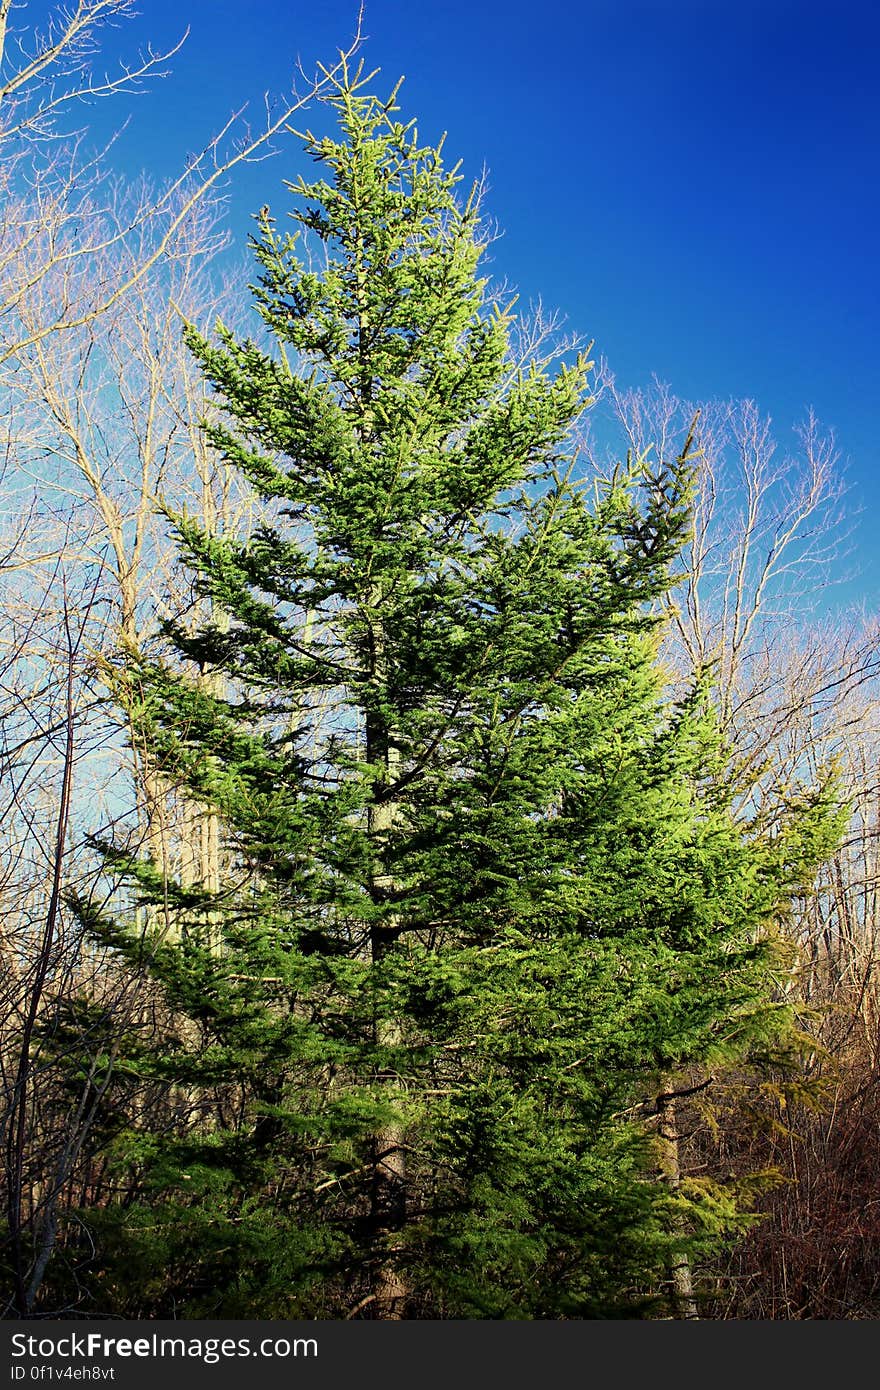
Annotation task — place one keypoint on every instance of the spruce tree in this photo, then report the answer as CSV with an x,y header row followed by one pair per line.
x,y
481,893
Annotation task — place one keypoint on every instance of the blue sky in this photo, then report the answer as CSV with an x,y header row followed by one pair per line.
x,y
693,182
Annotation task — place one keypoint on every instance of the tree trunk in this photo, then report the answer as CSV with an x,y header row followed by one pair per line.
x,y
389,1184
679,1268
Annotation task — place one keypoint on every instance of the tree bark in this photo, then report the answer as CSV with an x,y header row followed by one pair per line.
x,y
680,1281
388,1199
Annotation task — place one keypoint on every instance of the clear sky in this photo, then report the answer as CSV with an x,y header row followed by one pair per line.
x,y
693,182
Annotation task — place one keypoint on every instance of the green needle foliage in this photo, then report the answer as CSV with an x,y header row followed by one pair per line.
x,y
481,892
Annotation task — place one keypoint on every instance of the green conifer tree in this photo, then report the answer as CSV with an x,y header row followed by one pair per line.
x,y
480,891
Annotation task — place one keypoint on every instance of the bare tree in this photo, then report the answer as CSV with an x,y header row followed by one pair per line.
x,y
796,693
56,217
99,425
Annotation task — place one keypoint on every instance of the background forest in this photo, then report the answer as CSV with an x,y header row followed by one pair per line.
x,y
439,841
